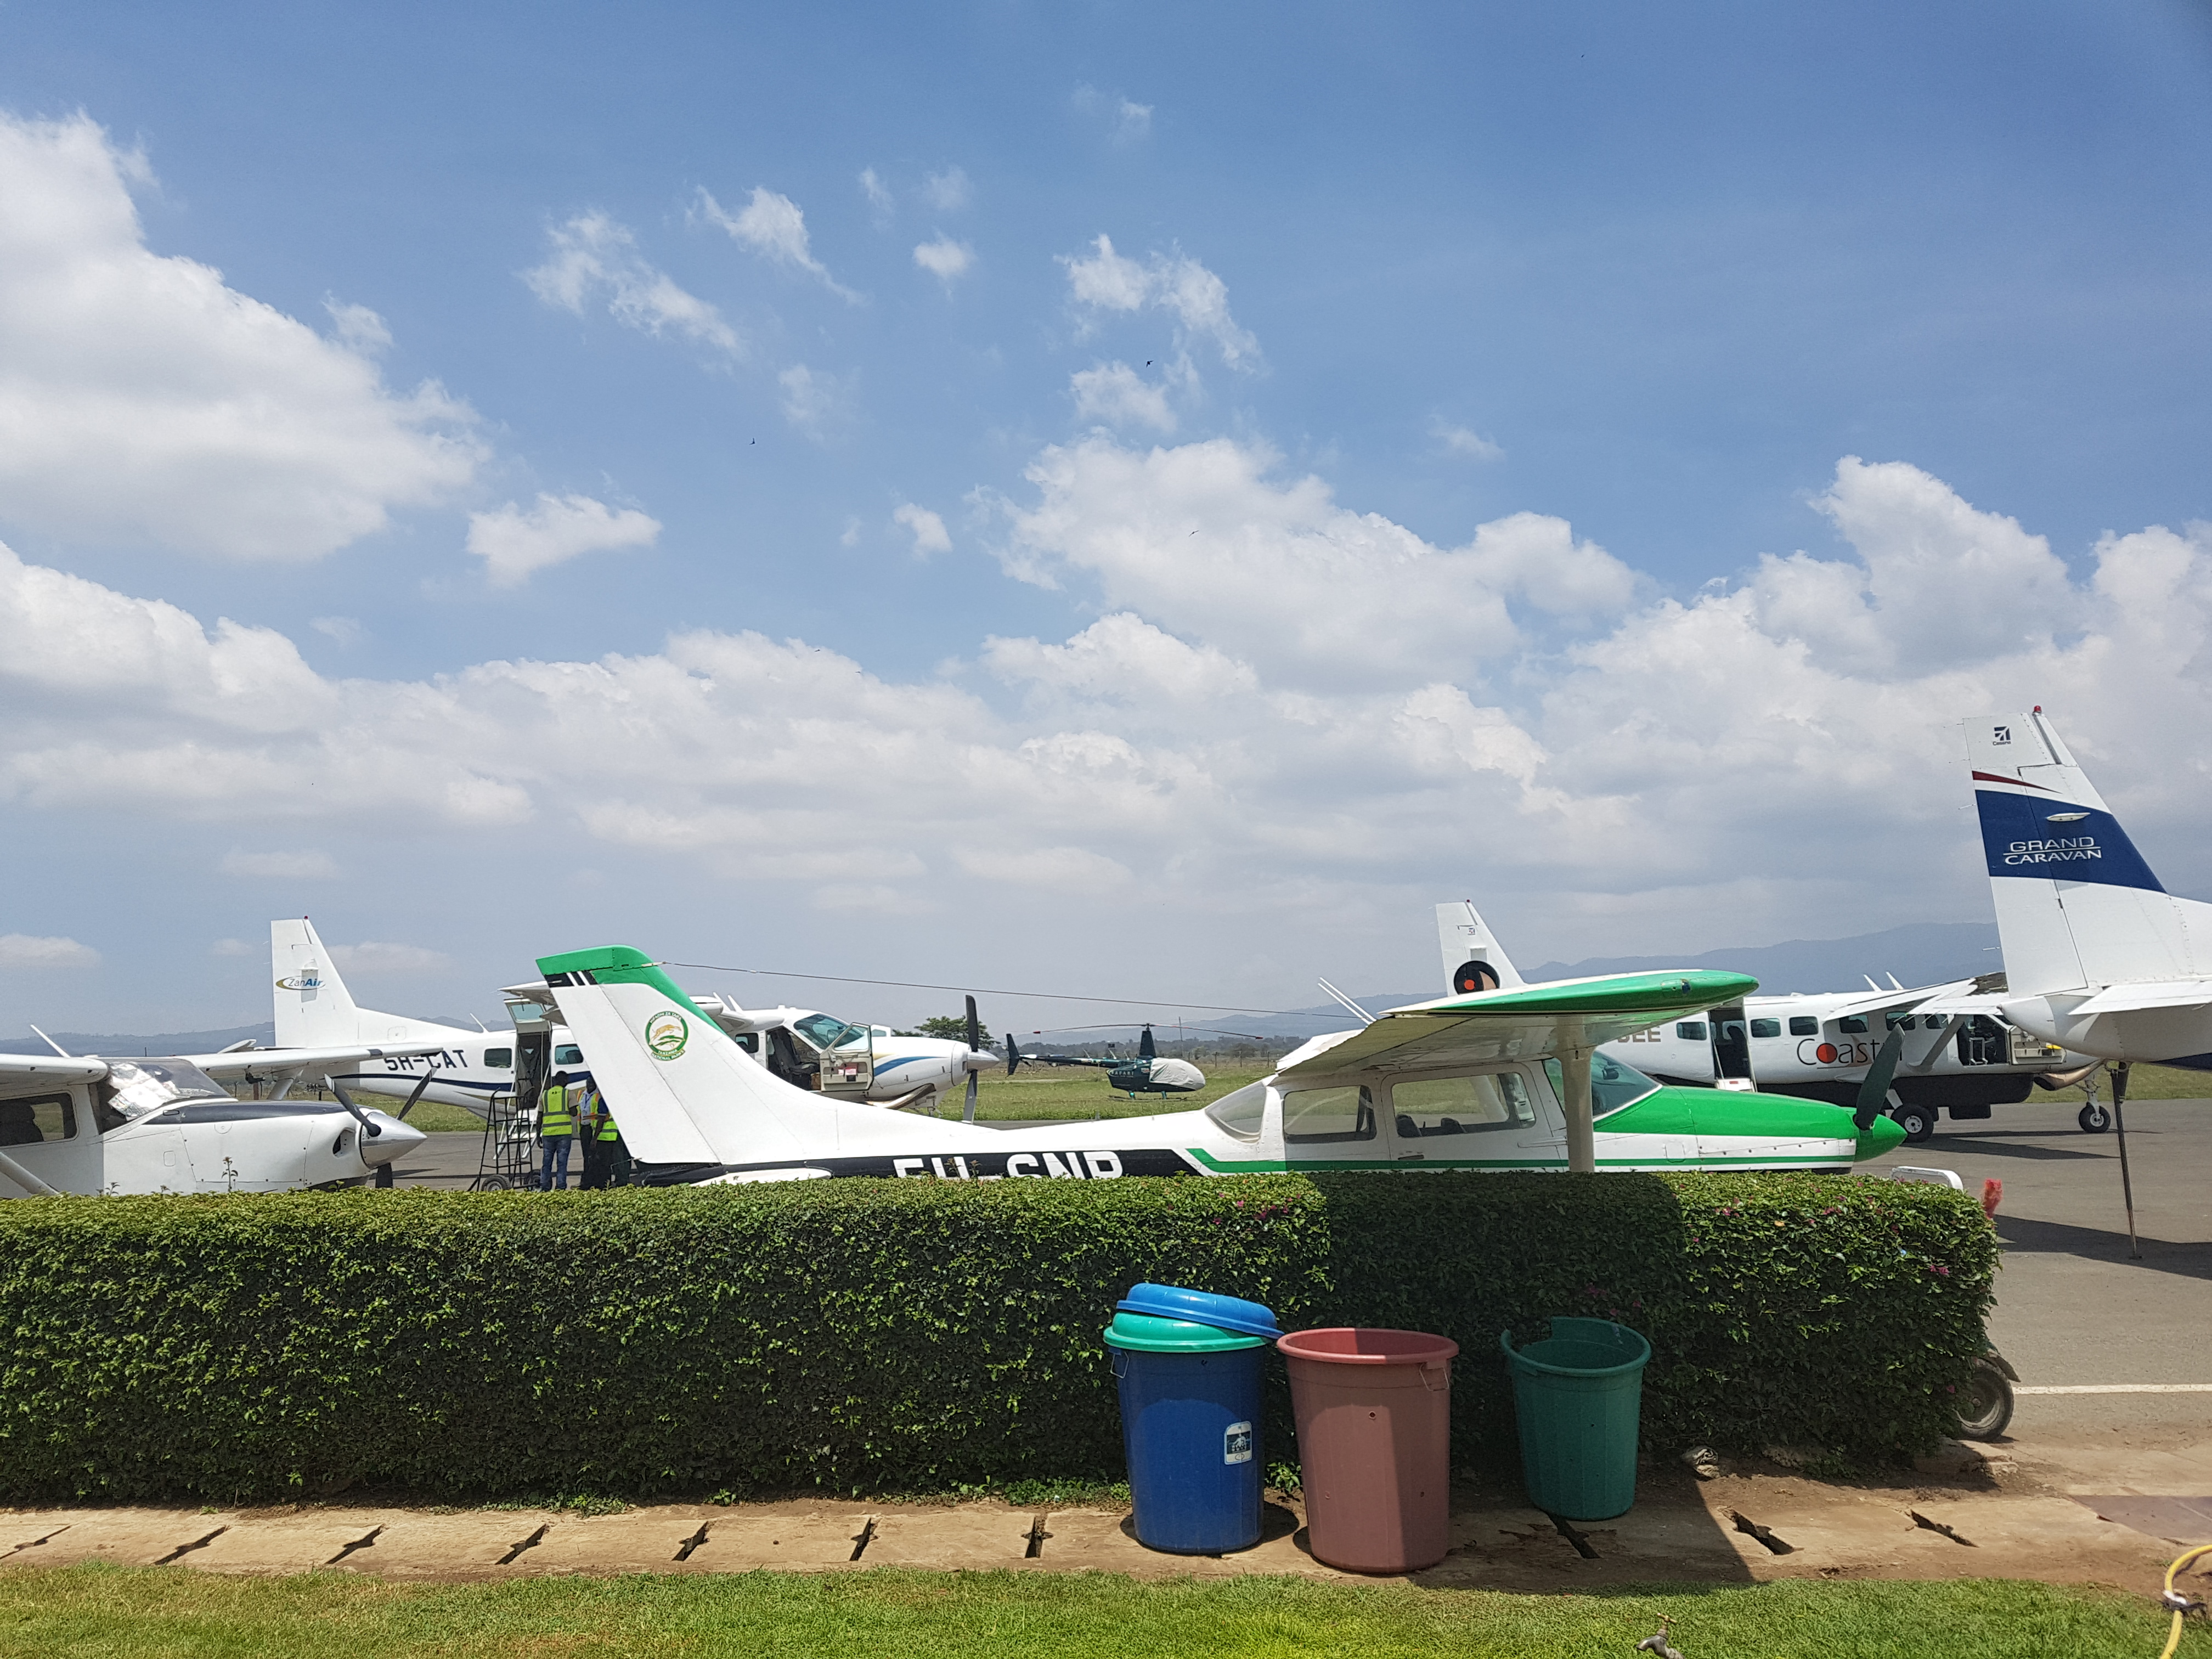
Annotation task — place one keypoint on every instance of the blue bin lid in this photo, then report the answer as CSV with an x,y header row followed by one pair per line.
x,y
1227,1312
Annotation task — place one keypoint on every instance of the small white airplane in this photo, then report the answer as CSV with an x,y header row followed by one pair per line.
x,y
460,1067
2098,955
1818,1047
1505,1079
85,1124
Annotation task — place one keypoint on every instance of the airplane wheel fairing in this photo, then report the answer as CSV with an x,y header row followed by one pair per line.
x,y
1918,1123
1985,1404
2095,1118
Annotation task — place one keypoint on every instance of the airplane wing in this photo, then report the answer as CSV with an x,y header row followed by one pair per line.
x,y
1881,1002
2147,993
1527,1022
56,1067
238,1062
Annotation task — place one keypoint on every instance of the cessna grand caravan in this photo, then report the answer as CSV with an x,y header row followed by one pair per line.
x,y
1505,1079
2098,955
1956,1058
460,1067
85,1124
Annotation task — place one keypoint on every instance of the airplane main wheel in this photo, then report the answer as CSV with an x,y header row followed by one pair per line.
x,y
2095,1118
1918,1123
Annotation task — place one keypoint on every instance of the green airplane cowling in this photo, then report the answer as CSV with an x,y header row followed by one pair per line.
x,y
1703,1112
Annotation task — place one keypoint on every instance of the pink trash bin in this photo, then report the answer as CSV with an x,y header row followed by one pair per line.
x,y
1373,1415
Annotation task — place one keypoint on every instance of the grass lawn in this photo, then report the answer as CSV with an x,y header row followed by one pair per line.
x,y
1074,1091
76,1612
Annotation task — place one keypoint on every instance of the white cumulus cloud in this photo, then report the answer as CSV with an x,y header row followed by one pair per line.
x,y
378,957
948,191
34,950
513,542
1118,396
1104,281
1460,441
877,192
1127,121
945,259
930,535
595,258
773,226
813,401
143,401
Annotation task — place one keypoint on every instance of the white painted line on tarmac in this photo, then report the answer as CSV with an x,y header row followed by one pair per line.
x,y
2123,1387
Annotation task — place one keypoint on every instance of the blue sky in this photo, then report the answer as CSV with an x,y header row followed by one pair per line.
x,y
1402,503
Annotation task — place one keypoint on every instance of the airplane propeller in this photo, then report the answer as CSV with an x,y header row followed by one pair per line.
x,y
1873,1093
974,1044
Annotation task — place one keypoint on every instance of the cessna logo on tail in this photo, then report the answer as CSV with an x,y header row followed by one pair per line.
x,y
665,1034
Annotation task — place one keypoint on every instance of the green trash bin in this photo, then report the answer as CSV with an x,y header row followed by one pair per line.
x,y
1578,1397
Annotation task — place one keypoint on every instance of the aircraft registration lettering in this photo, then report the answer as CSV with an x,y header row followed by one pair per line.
x,y
1024,1166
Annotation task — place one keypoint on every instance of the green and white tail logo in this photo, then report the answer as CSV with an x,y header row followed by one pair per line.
x,y
665,1034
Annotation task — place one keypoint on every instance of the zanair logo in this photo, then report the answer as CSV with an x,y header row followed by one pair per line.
x,y
2000,734
665,1034
300,982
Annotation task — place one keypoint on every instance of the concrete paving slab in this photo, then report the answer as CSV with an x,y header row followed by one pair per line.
x,y
132,1537
294,1543
739,1542
471,1544
983,1535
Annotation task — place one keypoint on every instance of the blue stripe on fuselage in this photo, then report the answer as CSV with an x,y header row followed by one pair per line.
x,y
2021,840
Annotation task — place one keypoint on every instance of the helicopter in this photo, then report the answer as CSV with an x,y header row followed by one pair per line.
x,y
1148,1073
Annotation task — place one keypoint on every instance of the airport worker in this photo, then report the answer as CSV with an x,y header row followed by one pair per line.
x,y
612,1149
557,1130
590,1118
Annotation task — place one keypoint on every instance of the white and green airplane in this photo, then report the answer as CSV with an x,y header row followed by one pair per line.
x,y
1505,1079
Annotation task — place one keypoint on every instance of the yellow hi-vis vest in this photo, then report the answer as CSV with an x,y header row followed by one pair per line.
x,y
556,1119
607,1130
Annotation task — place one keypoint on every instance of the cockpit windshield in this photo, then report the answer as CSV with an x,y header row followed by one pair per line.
x,y
1613,1084
825,1033
135,1087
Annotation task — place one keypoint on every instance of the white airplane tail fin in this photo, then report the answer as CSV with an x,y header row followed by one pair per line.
x,y
685,1093
1474,959
314,1009
2076,905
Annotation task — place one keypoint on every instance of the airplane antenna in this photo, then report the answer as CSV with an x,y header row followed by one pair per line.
x,y
53,1045
1893,985
481,1026
1344,1001
1868,978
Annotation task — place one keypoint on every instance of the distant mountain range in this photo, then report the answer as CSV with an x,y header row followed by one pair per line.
x,y
163,1042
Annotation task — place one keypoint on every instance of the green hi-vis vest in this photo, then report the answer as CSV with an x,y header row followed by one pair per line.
x,y
556,1119
607,1130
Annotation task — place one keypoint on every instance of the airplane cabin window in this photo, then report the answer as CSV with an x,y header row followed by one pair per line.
x,y
825,1032
1936,1022
1322,1117
567,1054
1766,1027
1691,1030
1804,1025
748,1040
1852,1025
1461,1105
1897,1022
1240,1112
28,1122
1612,1085
500,1059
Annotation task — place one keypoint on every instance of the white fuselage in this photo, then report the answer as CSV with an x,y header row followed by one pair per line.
x,y
207,1143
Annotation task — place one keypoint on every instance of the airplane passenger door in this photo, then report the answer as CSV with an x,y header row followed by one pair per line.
x,y
1731,1045
848,1071
1333,1125
1981,1043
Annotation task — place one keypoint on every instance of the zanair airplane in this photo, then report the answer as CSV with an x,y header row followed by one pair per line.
x,y
2098,955
1503,1079
460,1067
85,1124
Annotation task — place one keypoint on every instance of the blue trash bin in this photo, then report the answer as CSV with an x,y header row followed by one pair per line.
x,y
1190,1423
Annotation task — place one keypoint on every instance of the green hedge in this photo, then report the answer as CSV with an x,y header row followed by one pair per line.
x,y
906,1335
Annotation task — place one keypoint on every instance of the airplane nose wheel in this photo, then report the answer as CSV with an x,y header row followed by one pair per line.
x,y
1918,1123
2095,1118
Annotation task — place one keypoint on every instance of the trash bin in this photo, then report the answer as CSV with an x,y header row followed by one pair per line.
x,y
1578,1397
1190,1423
1374,1416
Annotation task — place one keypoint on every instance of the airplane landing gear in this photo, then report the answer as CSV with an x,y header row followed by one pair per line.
x,y
1918,1122
2095,1118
